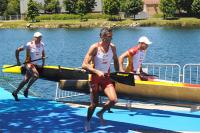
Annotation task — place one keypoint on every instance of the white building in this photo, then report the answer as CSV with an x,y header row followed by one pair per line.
x,y
24,6
99,6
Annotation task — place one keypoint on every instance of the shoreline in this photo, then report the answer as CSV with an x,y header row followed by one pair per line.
x,y
95,23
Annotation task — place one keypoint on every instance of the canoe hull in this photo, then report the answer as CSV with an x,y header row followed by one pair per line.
x,y
52,73
73,79
168,92
143,89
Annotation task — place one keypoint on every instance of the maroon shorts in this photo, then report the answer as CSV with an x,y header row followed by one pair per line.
x,y
100,83
29,68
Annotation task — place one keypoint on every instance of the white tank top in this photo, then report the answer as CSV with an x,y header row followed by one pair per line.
x,y
138,59
102,60
35,50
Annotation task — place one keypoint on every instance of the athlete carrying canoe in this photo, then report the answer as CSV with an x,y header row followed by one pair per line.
x,y
34,50
135,57
97,61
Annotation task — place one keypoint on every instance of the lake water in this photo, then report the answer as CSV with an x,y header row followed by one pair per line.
x,y
67,47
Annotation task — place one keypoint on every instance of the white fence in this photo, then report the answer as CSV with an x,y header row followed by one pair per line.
x,y
61,95
191,73
11,17
171,72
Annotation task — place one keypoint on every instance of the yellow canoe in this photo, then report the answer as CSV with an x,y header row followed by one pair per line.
x,y
74,79
145,89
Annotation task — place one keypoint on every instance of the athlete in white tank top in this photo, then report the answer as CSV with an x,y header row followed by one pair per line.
x,y
97,61
102,60
35,50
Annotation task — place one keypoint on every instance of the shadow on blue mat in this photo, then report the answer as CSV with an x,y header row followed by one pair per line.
x,y
33,115
160,113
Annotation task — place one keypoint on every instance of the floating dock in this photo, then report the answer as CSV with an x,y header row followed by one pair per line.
x,y
39,115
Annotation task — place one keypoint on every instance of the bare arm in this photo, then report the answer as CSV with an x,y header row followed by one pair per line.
x,y
121,61
18,50
115,58
90,58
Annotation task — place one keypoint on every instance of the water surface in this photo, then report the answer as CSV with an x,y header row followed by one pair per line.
x,y
67,47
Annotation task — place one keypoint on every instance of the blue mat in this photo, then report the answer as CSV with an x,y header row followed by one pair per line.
x,y
37,115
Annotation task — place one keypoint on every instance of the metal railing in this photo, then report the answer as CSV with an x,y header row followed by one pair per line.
x,y
171,72
142,15
62,94
191,73
12,17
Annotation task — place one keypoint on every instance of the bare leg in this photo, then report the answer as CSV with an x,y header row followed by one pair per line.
x,y
90,112
91,108
34,77
110,111
21,85
112,96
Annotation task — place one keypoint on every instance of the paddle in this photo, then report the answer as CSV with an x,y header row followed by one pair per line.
x,y
146,75
27,62
123,77
126,78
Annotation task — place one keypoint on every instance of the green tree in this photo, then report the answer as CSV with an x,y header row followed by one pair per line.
x,y
90,5
81,8
168,7
3,6
196,7
122,5
33,10
133,7
186,5
70,5
51,6
13,7
111,7
178,5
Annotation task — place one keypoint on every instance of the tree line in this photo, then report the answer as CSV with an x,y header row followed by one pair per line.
x,y
169,8
110,7
9,7
176,8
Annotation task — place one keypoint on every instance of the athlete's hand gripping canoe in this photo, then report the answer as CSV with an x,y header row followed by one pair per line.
x,y
100,73
34,52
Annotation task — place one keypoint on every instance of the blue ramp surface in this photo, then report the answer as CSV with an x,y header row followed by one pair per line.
x,y
38,115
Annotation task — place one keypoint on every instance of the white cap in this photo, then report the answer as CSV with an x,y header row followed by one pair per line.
x,y
37,34
145,40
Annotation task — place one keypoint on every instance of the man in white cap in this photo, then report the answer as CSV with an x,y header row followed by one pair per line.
x,y
135,57
34,51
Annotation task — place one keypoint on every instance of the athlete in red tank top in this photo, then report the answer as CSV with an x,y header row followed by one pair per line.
x,y
135,57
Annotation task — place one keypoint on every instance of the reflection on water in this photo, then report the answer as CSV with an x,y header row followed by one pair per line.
x,y
67,47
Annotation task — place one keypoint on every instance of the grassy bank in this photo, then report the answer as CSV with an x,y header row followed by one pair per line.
x,y
181,22
76,23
